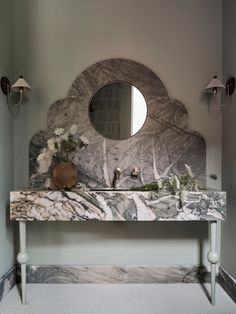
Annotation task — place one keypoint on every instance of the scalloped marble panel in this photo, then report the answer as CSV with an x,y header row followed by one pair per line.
x,y
163,145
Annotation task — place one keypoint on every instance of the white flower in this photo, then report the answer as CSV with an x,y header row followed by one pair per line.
x,y
189,171
84,140
43,166
45,152
160,184
64,137
183,196
176,182
73,129
171,180
40,157
44,160
51,145
59,131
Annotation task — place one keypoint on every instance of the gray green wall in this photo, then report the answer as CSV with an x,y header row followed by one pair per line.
x,y
55,40
229,141
6,138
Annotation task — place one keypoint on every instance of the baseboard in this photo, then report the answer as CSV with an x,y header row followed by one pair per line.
x,y
104,274
115,274
227,282
7,282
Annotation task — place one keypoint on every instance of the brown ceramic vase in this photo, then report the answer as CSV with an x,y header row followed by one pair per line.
x,y
65,175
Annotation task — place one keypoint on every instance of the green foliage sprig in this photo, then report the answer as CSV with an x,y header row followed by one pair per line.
x,y
174,183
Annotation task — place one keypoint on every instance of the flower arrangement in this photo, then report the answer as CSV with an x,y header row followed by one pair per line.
x,y
174,183
60,147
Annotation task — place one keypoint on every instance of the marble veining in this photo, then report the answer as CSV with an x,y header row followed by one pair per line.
x,y
114,274
7,282
116,206
162,146
227,282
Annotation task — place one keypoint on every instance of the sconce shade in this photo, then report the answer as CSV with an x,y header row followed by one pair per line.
x,y
215,83
20,84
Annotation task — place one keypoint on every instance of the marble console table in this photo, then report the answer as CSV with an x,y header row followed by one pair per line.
x,y
33,205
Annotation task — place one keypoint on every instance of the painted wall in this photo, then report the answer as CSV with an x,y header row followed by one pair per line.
x,y
55,40
229,142
6,138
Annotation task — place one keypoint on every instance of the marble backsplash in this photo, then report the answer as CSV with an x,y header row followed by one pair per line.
x,y
161,147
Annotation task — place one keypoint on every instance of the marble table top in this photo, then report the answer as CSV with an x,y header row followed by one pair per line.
x,y
48,205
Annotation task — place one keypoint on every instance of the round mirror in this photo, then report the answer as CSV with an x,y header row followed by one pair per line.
x,y
117,110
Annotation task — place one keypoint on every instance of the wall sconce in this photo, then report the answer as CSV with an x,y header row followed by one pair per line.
x,y
19,86
216,87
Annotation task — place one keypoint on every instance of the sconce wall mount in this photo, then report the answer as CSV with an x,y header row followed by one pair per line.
x,y
5,85
230,85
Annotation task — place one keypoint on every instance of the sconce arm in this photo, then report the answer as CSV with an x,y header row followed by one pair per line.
x,y
14,108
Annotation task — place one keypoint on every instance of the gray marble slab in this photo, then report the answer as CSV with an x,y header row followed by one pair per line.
x,y
227,282
7,282
116,206
162,146
114,274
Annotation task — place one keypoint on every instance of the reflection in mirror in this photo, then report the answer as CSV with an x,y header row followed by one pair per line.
x,y
117,110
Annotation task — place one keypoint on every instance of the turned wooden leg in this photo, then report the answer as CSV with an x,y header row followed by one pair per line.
x,y
22,258
213,258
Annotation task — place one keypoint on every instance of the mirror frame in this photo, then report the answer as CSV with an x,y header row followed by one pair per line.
x,y
116,139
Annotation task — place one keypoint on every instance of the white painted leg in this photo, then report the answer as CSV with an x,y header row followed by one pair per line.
x,y
22,258
213,258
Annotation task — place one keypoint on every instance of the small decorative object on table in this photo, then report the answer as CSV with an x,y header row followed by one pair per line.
x,y
58,155
175,184
65,175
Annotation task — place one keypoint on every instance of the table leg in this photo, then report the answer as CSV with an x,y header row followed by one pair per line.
x,y
22,258
213,258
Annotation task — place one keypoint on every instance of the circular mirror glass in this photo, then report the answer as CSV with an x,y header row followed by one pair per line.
x,y
117,110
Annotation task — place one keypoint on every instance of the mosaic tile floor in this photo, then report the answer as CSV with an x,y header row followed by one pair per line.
x,y
117,299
